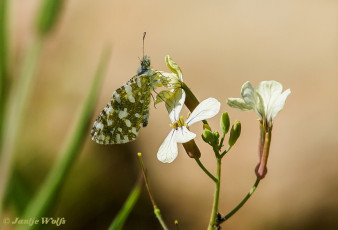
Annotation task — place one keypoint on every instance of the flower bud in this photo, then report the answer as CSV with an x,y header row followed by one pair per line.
x,y
209,137
225,123
216,134
192,150
235,132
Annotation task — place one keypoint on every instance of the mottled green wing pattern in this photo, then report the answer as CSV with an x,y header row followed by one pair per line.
x,y
128,110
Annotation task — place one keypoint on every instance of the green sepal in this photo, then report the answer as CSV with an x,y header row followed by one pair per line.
x,y
235,132
225,123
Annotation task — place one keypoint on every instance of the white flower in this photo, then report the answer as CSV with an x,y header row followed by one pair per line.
x,y
172,81
180,132
267,100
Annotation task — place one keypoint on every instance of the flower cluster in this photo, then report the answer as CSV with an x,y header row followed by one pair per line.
x,y
267,101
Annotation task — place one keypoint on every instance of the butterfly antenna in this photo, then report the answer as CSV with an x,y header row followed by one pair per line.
x,y
144,36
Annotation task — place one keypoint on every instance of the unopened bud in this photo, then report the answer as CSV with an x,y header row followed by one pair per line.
x,y
209,137
235,132
225,123
192,150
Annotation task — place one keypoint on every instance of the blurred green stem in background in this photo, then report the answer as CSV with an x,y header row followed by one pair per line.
x,y
42,203
16,103
3,61
133,197
48,15
21,90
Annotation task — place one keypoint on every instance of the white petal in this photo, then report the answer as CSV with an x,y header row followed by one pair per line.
x,y
279,103
238,103
205,110
168,150
269,91
175,104
184,135
249,95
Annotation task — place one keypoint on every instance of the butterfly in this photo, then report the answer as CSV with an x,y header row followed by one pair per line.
x,y
128,109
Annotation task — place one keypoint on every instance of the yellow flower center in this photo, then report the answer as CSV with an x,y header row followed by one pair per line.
x,y
178,123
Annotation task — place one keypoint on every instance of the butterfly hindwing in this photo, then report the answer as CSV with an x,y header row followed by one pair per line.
x,y
126,112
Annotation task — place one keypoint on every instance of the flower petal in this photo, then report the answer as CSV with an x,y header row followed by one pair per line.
x,y
238,103
270,92
169,80
279,103
249,95
168,150
175,103
205,110
173,67
184,135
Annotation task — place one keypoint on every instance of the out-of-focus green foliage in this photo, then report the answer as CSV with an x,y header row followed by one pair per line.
x,y
123,214
48,15
48,193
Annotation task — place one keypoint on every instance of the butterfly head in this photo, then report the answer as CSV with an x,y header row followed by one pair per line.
x,y
145,65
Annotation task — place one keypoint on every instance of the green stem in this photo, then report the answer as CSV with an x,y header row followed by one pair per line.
x,y
212,223
205,170
18,100
3,62
158,215
246,198
225,151
122,216
48,193
157,211
221,142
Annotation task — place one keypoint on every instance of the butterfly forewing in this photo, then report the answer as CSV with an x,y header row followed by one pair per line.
x,y
126,112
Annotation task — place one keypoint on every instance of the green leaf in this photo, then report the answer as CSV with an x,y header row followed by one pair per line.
x,y
49,12
129,204
3,61
43,202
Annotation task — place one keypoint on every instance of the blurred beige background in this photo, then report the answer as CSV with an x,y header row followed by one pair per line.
x,y
218,45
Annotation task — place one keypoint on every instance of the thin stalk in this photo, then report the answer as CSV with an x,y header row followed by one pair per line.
x,y
3,61
157,211
129,204
212,223
221,142
205,170
225,151
18,100
246,198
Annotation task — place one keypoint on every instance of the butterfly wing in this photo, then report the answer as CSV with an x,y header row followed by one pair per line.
x,y
128,110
